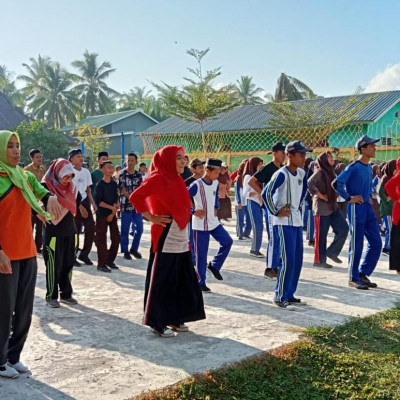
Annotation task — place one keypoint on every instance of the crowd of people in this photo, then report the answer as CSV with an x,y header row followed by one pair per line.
x,y
186,202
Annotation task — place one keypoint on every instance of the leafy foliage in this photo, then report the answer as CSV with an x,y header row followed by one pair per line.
x,y
289,89
247,91
9,90
94,138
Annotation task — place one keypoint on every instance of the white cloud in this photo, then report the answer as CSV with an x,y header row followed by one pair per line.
x,y
389,79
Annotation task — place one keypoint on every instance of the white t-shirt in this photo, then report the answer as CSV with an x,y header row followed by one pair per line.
x,y
82,180
247,190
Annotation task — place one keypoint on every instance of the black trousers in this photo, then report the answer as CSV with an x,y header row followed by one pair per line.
x,y
394,257
88,223
37,229
59,256
17,292
105,255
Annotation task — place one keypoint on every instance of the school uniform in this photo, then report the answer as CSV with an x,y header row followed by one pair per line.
x,y
205,197
243,224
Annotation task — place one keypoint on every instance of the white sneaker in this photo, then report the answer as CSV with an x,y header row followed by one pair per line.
x,y
165,332
8,372
21,368
180,328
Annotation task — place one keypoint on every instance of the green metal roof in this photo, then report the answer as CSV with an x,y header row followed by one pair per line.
x,y
257,117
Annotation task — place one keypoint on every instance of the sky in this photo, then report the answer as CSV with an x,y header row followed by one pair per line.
x,y
333,46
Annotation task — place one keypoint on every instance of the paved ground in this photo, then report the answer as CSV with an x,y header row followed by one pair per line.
x,y
100,350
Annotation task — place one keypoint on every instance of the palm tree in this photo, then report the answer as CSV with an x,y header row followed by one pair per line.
x,y
51,99
289,89
9,90
247,91
36,71
96,97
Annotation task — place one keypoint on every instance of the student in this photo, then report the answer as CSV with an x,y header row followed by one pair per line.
x,y
204,192
283,196
107,207
309,217
97,175
186,172
326,212
392,188
254,205
386,204
38,169
243,223
342,203
19,193
83,181
60,235
263,176
354,184
143,170
224,183
172,294
129,181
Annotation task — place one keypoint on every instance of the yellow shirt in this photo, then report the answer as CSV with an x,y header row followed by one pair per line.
x,y
39,171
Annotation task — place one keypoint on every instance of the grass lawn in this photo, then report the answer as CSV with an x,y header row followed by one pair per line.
x,y
358,360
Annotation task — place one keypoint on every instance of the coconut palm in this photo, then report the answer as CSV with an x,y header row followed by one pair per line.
x,y
96,97
289,89
35,73
247,91
8,88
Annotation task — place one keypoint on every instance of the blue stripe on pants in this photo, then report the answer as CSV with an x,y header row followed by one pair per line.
x,y
243,225
256,218
387,221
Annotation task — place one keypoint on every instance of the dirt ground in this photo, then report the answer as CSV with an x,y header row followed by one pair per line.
x,y
99,349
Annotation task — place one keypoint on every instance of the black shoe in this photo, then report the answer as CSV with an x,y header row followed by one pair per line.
x,y
215,272
323,265
127,256
77,263
205,289
271,274
70,300
85,260
136,254
241,238
248,237
103,268
358,285
112,266
256,254
386,251
296,301
286,305
364,279
335,259
311,243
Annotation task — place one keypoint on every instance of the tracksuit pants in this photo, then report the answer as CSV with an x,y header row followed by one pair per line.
x,y
310,225
291,246
243,224
387,222
89,225
59,256
340,229
201,244
256,218
394,257
128,219
363,222
273,259
17,291
107,256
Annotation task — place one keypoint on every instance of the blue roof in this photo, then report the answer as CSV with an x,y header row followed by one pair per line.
x,y
257,117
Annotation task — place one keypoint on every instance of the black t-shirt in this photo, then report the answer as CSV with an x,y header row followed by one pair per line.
x,y
187,173
264,175
108,193
189,180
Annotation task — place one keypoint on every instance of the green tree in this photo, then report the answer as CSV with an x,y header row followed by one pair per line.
x,y
94,137
36,135
92,90
289,89
49,92
9,90
247,91
198,100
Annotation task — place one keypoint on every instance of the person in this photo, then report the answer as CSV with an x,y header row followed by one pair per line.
x,y
129,181
283,196
97,175
392,189
172,294
60,235
254,205
326,212
263,176
354,184
38,169
19,193
117,173
143,170
224,183
204,192
386,203
308,212
186,172
243,223
374,196
106,216
83,181
342,203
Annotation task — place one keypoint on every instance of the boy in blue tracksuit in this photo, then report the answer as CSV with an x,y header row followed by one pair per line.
x,y
354,184
283,196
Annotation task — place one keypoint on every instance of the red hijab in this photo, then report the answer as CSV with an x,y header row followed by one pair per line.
x,y
65,194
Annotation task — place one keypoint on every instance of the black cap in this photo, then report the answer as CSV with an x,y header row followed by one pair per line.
x,y
296,147
365,141
279,146
196,161
74,152
213,163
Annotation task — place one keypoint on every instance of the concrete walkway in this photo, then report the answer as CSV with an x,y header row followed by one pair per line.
x,y
99,349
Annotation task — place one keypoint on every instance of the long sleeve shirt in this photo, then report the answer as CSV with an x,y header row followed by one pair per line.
x,y
392,189
316,184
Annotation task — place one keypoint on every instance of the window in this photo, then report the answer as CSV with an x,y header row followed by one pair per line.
x,y
386,141
396,114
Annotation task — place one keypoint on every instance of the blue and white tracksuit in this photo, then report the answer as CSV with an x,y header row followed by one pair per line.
x,y
254,207
243,224
356,180
205,197
287,189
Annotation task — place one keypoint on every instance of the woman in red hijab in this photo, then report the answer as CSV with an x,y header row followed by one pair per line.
x,y
172,293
